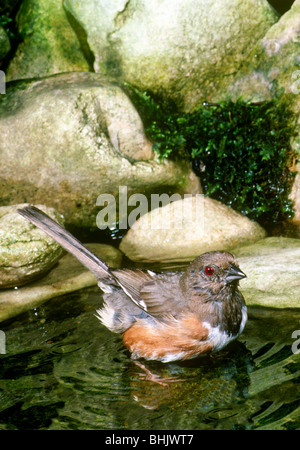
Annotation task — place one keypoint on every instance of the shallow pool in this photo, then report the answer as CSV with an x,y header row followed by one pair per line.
x,y
63,370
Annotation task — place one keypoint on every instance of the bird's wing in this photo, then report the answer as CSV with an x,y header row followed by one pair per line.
x,y
131,282
157,295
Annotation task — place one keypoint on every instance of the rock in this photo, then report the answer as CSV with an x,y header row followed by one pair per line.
x,y
68,138
182,230
4,44
67,276
26,252
272,266
185,49
272,64
50,44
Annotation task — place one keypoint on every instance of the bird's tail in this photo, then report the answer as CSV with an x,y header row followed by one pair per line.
x,y
67,241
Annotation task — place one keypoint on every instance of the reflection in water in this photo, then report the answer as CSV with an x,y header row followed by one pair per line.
x,y
207,382
63,370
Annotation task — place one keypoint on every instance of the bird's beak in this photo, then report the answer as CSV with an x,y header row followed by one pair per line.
x,y
234,274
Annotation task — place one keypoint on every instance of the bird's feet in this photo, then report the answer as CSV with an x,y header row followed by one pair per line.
x,y
155,378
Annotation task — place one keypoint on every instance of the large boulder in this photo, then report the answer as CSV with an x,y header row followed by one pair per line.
x,y
68,138
186,49
182,230
26,252
50,45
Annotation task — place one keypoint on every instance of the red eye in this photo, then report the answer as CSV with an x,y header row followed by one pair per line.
x,y
209,270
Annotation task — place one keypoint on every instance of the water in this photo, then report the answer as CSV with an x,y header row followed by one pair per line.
x,y
63,370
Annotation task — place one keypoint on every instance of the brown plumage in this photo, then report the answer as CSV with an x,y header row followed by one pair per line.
x,y
166,317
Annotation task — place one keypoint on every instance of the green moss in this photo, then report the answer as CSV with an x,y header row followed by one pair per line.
x,y
8,11
241,151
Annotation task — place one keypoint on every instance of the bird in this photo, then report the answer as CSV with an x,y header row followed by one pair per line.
x,y
168,316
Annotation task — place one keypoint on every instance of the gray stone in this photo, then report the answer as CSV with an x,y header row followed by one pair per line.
x,y
68,138
67,276
182,230
26,252
272,63
272,266
186,49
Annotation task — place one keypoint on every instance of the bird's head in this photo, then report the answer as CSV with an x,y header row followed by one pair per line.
x,y
213,271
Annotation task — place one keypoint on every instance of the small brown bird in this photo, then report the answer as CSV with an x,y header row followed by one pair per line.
x,y
164,317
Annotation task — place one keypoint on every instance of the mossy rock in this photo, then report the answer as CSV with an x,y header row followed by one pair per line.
x,y
26,252
50,45
241,151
